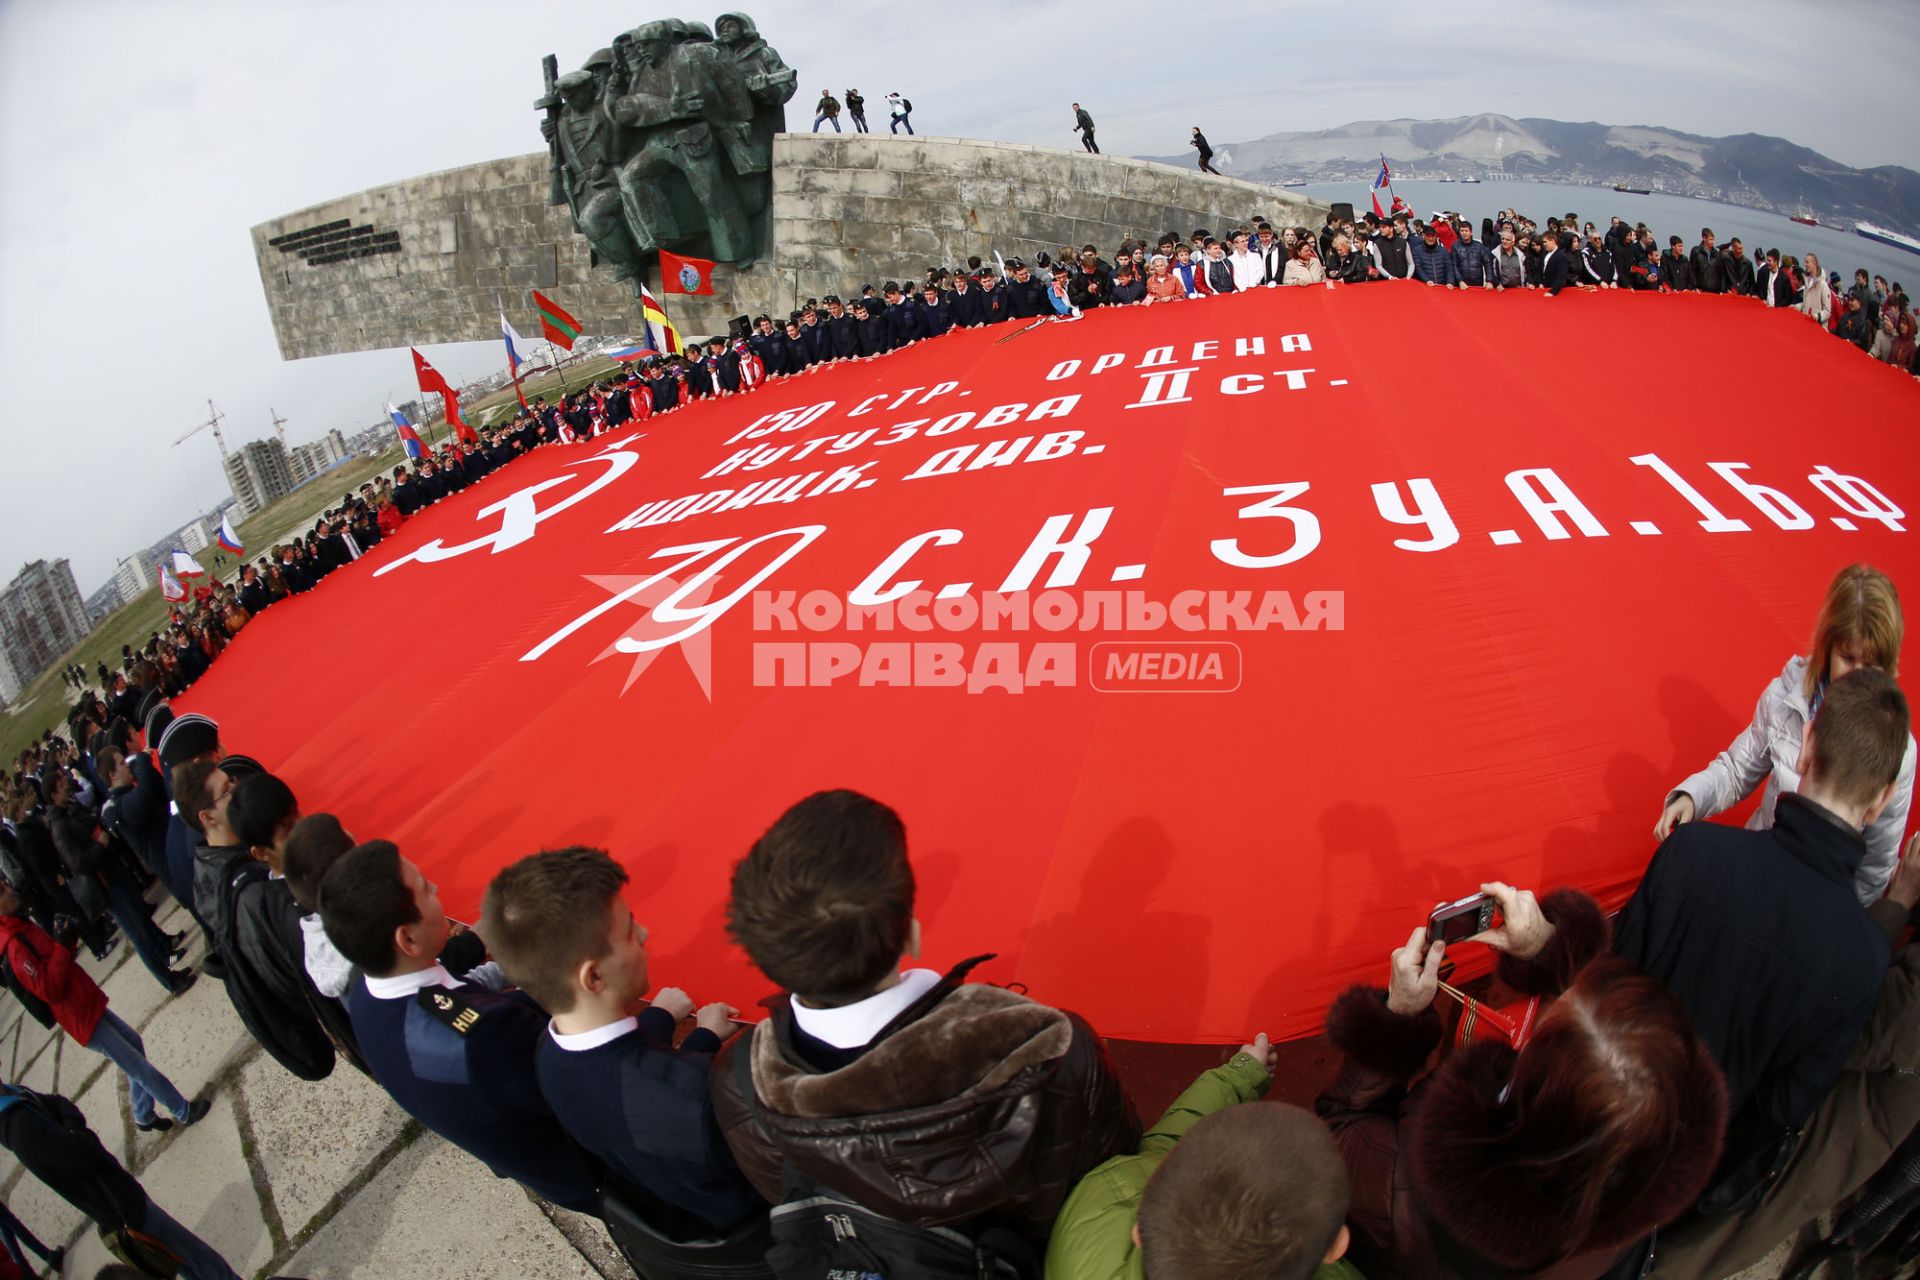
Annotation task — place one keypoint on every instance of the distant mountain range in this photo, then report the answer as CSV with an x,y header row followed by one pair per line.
x,y
1747,169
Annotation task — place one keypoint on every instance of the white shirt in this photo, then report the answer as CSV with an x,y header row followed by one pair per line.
x,y
585,1040
853,1025
1249,272
332,973
400,986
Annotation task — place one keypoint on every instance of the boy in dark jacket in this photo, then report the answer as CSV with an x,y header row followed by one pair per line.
x,y
917,1095
1760,934
563,934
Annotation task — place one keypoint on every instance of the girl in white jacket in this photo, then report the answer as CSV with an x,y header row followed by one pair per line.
x,y
1860,625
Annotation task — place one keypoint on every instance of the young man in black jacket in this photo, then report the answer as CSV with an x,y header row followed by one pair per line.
x,y
563,933
917,1095
1760,934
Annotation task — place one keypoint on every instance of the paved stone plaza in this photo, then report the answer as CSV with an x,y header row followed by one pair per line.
x,y
327,1180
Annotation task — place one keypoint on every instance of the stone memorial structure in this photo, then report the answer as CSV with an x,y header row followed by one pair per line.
x,y
672,138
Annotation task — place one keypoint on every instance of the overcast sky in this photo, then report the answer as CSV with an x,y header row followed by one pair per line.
x,y
139,142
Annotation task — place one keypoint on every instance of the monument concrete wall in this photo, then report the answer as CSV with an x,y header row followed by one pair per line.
x,y
436,258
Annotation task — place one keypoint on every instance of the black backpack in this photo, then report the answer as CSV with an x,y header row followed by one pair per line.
x,y
36,1007
818,1234
294,1038
906,106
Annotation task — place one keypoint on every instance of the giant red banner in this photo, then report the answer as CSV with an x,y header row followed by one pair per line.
x,y
1203,648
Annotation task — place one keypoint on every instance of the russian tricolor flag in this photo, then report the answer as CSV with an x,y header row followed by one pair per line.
x,y
230,540
408,436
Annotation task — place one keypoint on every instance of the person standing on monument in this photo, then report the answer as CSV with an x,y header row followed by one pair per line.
x,y
1199,141
827,110
857,110
1083,125
902,108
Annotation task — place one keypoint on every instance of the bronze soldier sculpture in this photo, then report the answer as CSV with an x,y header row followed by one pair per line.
x,y
585,141
691,111
665,140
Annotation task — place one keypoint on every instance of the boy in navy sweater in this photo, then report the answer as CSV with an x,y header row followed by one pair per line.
x,y
560,929
457,1057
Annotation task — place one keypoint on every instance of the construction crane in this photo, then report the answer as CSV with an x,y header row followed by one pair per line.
x,y
279,424
211,424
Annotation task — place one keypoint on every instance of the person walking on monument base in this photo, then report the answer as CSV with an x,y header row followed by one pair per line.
x,y
1083,125
828,110
902,109
857,110
1199,141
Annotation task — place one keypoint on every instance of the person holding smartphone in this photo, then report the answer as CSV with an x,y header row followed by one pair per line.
x,y
1546,1162
1859,625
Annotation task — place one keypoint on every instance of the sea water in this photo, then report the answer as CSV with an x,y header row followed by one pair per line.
x,y
1681,216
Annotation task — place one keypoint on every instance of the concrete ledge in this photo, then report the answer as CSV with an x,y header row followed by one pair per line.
x,y
847,209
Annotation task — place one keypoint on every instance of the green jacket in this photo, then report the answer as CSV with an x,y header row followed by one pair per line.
x,y
1093,1236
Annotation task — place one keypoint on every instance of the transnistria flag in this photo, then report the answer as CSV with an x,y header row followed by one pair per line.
x,y
170,586
229,539
665,336
430,380
409,436
560,328
185,566
685,275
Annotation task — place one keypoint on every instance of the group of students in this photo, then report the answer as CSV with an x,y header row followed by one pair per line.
x,y
1671,1092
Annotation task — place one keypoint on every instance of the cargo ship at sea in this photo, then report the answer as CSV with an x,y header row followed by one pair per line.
x,y
1884,236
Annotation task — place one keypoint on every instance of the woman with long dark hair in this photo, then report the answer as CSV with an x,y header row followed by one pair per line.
x,y
1551,1162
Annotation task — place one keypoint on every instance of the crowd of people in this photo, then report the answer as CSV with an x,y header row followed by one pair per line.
x,y
1673,1092
1669,1092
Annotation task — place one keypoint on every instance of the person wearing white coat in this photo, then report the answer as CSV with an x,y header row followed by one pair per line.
x,y
1860,625
1816,297
1249,271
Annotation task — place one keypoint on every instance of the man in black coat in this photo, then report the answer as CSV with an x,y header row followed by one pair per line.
x,y
1736,272
1705,264
993,299
1556,268
1760,934
1676,268
843,338
963,304
870,328
904,322
49,1137
1026,293
814,337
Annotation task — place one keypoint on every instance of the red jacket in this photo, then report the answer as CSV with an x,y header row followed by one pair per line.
x,y
46,968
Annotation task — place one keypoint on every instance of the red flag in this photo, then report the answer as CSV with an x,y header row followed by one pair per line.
x,y
556,325
685,275
1378,212
430,380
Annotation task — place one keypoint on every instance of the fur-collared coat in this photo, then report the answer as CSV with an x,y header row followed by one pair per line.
x,y
975,1103
1427,1204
